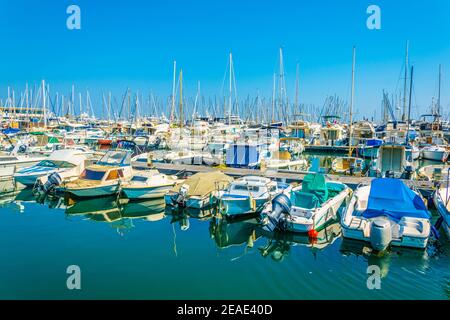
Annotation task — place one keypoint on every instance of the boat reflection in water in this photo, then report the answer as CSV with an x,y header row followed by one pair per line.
x,y
404,257
234,233
279,243
119,216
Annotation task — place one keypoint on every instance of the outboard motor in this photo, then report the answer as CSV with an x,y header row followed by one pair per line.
x,y
280,204
53,180
380,234
408,172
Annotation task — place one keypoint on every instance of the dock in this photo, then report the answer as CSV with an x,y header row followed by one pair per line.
x,y
425,187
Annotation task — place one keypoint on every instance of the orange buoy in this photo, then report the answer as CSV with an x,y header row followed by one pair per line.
x,y
312,234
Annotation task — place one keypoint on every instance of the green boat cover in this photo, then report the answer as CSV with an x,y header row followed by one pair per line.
x,y
314,192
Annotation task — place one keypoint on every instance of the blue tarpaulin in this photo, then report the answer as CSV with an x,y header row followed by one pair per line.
x,y
392,198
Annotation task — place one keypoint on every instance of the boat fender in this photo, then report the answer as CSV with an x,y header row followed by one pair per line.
x,y
312,234
436,226
380,234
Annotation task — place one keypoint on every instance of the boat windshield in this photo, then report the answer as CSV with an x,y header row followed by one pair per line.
x,y
55,164
139,179
92,175
118,158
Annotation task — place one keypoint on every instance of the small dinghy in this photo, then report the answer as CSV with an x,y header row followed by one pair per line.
x,y
386,213
309,206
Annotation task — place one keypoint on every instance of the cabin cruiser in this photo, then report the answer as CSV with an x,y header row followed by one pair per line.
x,y
148,184
309,206
15,160
198,191
249,194
385,213
66,163
102,178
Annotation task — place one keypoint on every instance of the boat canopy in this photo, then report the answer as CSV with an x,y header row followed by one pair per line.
x,y
392,198
203,183
314,192
242,155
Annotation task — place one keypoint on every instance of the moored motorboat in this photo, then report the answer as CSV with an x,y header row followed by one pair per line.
x,y
249,194
385,213
198,191
148,185
309,206
102,178
66,163
348,166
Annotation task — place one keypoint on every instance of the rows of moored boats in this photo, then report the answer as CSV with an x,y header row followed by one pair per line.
x,y
386,212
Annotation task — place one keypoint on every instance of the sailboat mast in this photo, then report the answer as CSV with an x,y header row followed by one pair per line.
x,y
409,105
296,88
181,100
439,92
405,82
43,104
172,111
230,89
273,98
351,104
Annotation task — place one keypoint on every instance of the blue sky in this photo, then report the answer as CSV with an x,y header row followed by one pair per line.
x,y
133,43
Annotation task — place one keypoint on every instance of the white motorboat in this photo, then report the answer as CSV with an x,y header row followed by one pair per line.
x,y
250,194
148,185
386,213
66,163
12,162
311,205
102,178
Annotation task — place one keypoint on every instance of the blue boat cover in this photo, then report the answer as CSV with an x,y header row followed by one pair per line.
x,y
392,198
374,142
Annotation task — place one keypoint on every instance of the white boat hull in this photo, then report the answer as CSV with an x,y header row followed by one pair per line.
x,y
98,191
146,192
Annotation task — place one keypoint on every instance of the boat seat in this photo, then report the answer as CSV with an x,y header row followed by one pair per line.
x,y
361,224
361,205
413,227
305,200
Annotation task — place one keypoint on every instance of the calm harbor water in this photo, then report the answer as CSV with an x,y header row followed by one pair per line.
x,y
144,251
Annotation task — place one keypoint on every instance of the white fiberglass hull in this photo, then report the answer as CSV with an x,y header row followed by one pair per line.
x,y
97,191
319,216
146,192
